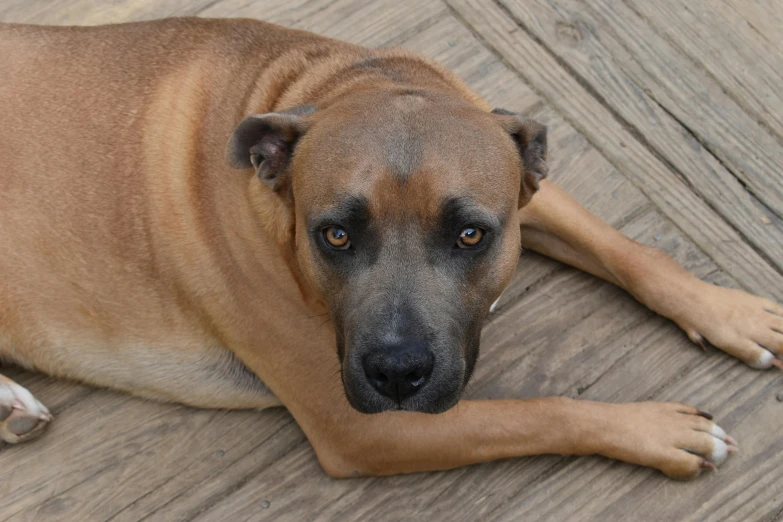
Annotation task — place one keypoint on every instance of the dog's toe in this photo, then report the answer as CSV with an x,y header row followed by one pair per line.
x,y
22,417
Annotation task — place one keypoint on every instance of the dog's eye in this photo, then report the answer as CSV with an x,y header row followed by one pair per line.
x,y
337,238
470,237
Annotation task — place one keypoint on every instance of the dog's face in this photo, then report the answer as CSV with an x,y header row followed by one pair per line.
x,y
405,209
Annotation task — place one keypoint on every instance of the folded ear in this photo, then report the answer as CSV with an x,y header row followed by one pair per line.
x,y
266,142
530,137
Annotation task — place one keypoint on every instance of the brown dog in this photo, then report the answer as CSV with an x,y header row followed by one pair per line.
x,y
373,188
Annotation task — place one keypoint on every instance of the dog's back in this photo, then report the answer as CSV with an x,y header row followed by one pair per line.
x,y
111,169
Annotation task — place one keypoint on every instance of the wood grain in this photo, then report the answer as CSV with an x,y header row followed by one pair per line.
x,y
596,47
727,50
764,16
694,98
91,12
366,23
683,113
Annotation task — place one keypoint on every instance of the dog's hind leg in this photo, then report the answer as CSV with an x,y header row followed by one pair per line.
x,y
22,417
748,327
208,377
194,371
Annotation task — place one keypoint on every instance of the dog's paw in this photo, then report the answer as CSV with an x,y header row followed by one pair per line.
x,y
22,417
743,325
677,439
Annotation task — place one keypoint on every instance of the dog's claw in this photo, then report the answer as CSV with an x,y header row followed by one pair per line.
x,y
22,417
706,464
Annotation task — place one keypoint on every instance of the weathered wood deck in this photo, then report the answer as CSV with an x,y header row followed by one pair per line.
x,y
666,120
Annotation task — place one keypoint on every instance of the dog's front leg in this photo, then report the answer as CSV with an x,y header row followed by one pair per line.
x,y
304,373
673,438
745,326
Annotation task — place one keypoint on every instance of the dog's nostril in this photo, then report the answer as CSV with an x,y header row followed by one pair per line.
x,y
379,382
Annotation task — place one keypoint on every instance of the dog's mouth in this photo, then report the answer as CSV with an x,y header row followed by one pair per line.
x,y
370,402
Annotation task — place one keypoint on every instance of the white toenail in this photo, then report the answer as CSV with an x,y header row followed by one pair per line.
x,y
492,308
719,452
763,362
718,432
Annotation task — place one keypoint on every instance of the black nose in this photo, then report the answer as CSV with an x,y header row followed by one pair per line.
x,y
399,371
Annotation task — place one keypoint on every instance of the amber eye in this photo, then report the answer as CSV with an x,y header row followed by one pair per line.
x,y
470,237
337,238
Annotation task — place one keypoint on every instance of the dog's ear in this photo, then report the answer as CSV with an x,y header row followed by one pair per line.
x,y
266,143
530,137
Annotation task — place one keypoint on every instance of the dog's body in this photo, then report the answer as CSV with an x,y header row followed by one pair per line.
x,y
136,259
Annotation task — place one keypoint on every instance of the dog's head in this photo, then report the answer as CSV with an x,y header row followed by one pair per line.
x,y
405,205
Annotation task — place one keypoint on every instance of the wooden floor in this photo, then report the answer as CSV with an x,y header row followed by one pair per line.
x,y
666,120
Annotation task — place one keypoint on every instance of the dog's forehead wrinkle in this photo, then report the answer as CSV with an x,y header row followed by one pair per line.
x,y
403,154
409,126
407,135
402,145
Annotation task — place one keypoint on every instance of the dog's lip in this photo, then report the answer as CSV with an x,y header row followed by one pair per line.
x,y
369,402
397,407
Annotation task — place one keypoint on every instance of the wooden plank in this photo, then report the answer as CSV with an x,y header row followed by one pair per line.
x,y
694,98
743,401
765,16
716,38
88,12
366,23
652,87
453,46
142,449
282,485
369,23
620,145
